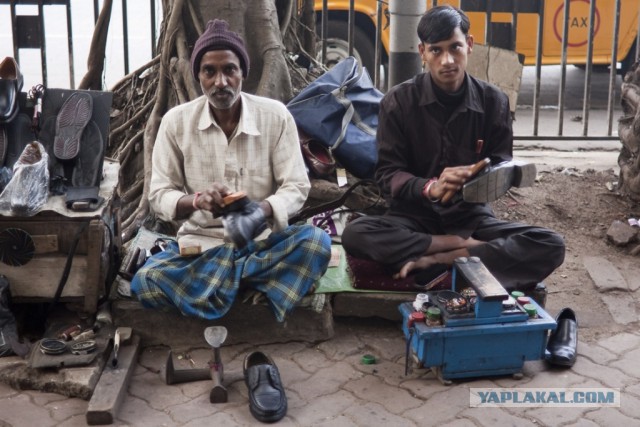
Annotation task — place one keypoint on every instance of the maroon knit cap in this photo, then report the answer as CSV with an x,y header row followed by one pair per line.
x,y
217,36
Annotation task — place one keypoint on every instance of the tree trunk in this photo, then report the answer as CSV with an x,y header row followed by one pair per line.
x,y
143,97
629,133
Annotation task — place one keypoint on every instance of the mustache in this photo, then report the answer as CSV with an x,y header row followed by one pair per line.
x,y
215,91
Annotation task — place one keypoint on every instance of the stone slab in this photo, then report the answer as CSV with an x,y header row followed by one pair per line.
x,y
605,275
370,304
621,306
255,324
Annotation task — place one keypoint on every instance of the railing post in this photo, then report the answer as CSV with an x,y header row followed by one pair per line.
x,y
404,60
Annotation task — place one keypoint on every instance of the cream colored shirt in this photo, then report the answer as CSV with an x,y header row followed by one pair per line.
x,y
262,157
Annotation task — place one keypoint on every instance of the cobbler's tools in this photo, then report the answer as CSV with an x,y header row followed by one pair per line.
x,y
114,381
178,376
122,335
475,169
215,336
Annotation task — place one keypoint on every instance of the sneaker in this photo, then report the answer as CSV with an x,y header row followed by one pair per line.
x,y
494,183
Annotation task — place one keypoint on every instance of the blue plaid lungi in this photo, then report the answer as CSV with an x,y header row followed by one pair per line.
x,y
284,267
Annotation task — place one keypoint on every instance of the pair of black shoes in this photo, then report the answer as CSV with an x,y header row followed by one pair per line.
x,y
562,347
267,400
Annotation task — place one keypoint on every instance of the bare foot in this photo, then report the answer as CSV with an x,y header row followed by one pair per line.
x,y
419,264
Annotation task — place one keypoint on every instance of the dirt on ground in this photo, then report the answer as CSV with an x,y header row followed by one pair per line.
x,y
581,206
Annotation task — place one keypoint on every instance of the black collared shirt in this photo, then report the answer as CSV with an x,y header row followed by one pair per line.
x,y
418,137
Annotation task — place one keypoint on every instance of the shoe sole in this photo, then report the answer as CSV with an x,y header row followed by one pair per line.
x,y
73,117
494,184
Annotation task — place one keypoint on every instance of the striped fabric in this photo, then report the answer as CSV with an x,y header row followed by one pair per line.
x,y
284,267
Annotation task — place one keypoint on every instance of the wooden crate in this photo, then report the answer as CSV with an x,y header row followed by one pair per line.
x,y
53,231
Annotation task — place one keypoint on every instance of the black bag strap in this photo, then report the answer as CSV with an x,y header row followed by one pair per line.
x,y
67,266
310,211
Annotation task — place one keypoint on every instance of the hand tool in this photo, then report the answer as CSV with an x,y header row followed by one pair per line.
x,y
122,335
215,336
475,169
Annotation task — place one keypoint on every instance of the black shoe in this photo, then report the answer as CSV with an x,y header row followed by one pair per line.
x,y
11,81
244,225
562,347
267,401
491,185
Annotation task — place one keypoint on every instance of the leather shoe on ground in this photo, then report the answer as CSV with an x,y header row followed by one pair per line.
x,y
491,185
11,81
267,401
562,347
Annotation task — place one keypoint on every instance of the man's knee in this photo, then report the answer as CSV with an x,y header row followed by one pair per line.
x,y
354,236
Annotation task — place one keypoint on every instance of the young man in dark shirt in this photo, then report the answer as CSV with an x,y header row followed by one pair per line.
x,y
431,130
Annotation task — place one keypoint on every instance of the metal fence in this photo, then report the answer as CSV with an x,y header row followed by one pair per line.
x,y
504,35
28,32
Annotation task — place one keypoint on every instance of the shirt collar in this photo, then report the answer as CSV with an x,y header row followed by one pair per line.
x,y
428,96
245,125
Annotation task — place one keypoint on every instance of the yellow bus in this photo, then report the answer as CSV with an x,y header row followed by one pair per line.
x,y
503,28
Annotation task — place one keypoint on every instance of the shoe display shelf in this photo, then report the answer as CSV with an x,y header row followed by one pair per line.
x,y
53,232
489,334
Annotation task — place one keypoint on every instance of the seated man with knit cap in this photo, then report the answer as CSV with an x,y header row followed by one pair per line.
x,y
221,143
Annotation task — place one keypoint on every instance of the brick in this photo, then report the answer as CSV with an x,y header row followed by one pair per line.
x,y
605,375
610,417
322,408
628,363
19,410
496,417
134,410
595,353
605,275
621,306
371,388
557,416
325,381
441,407
620,343
373,414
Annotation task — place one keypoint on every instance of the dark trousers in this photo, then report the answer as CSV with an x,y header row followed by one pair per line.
x,y
518,255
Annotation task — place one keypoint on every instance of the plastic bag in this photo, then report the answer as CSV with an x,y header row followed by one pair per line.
x,y
28,190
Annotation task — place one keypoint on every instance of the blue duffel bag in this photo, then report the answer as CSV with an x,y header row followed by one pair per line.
x,y
340,109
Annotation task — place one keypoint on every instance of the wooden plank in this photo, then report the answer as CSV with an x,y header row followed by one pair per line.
x,y
45,244
113,384
40,277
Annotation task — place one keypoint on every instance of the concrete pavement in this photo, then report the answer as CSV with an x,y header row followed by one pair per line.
x,y
327,385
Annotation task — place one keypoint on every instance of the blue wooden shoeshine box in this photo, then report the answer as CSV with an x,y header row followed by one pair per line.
x,y
488,338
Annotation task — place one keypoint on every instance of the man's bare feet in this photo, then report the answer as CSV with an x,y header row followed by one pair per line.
x,y
419,264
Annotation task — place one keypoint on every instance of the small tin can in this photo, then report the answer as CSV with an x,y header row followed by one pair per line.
x,y
434,316
517,294
531,310
524,300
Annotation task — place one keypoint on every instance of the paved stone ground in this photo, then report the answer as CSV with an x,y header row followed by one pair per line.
x,y
326,385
